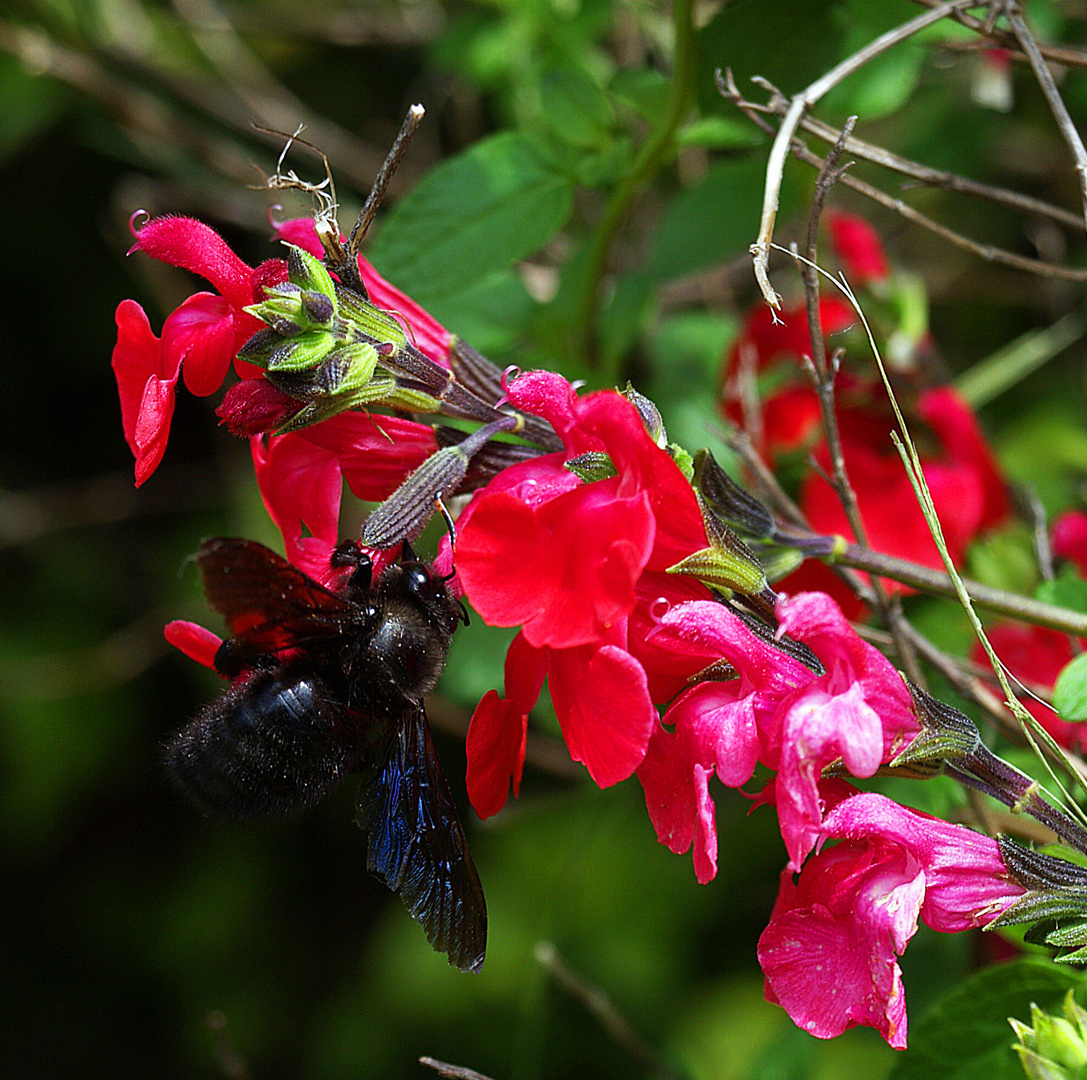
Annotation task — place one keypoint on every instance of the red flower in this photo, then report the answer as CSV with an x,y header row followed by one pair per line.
x,y
962,475
202,337
1036,655
538,548
858,248
199,339
1070,539
301,475
788,419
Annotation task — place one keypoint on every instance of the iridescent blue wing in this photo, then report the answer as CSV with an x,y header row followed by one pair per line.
x,y
416,844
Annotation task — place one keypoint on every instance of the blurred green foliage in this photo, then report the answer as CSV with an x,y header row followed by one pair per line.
x,y
567,203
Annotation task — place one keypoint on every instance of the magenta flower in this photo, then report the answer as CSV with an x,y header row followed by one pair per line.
x,y
716,727
830,951
859,711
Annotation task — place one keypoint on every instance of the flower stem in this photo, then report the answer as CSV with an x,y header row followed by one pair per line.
x,y
932,581
654,152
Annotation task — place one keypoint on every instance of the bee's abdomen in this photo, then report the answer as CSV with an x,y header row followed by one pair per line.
x,y
273,745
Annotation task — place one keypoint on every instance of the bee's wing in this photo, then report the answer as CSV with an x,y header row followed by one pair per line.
x,y
268,603
416,844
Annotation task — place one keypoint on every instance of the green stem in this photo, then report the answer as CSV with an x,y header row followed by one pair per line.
x,y
939,584
650,158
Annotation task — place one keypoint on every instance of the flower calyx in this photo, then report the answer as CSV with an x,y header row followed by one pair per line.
x,y
1055,901
1053,1047
332,350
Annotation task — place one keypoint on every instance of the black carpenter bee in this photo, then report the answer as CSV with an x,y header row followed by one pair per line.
x,y
327,683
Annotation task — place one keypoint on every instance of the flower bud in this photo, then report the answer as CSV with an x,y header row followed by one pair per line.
x,y
1053,1047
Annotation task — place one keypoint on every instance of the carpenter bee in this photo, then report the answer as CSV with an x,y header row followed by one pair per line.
x,y
331,682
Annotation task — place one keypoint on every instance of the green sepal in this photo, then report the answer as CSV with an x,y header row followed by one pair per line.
x,y
650,414
417,401
308,272
365,321
302,353
946,733
684,461
348,368
326,406
727,565
592,466
1053,1047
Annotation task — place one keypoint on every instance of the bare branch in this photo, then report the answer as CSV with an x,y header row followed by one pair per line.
x,y
938,178
1052,95
779,151
603,1009
453,1072
1058,54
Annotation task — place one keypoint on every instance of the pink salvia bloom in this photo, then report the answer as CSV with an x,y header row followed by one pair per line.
x,y
716,727
830,950
859,711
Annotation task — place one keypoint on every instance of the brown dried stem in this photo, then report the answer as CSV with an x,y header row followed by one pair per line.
x,y
937,178
779,151
1057,53
987,252
822,376
1049,88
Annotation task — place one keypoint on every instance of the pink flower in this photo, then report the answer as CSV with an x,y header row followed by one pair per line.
x,y
830,950
716,727
859,711
199,339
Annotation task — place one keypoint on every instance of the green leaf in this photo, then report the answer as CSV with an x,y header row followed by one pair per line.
x,y
575,108
1070,691
716,219
966,1036
643,90
1068,590
720,133
473,215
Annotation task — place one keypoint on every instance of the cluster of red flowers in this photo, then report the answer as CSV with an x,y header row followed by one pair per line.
x,y
965,482
649,674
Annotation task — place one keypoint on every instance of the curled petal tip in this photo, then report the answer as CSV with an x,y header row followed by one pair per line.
x,y
135,228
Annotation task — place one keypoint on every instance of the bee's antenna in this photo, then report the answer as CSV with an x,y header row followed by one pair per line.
x,y
447,518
